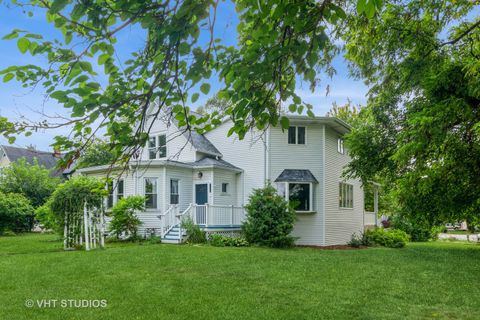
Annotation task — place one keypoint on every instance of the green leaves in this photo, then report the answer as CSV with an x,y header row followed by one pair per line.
x,y
11,35
8,77
369,7
23,44
284,122
195,97
205,88
58,5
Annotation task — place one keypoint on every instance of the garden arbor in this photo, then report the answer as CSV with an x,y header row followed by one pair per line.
x,y
85,228
76,209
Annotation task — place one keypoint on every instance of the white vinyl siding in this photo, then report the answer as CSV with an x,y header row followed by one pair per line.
x,y
247,154
340,223
177,148
221,177
308,226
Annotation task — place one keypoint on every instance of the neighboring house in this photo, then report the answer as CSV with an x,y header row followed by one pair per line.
x,y
210,177
9,154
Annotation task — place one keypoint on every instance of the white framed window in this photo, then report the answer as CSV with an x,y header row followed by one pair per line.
x,y
340,147
157,147
174,196
120,189
224,187
296,135
115,192
151,193
298,193
110,194
345,195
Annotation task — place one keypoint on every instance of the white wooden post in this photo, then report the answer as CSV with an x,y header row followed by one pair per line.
x,y
375,204
206,214
231,220
86,228
65,233
102,229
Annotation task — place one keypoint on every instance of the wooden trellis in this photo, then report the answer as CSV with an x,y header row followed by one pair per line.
x,y
84,229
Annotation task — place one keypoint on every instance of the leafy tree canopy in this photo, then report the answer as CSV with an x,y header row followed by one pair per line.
x,y
33,181
96,154
421,129
280,43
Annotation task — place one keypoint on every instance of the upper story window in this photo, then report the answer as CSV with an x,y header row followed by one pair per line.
x,y
157,147
174,191
340,147
150,193
296,135
345,195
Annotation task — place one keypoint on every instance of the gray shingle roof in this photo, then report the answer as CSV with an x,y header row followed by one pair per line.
x,y
219,163
295,175
46,159
202,144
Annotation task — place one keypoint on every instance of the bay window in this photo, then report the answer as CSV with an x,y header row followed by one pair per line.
x,y
299,194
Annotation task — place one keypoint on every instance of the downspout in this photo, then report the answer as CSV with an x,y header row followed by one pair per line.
x,y
323,185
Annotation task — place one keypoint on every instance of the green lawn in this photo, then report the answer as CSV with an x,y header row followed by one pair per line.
x,y
434,280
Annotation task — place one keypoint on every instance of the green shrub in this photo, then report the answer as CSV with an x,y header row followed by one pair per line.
x,y
33,181
270,219
194,233
16,213
217,240
124,219
419,231
356,241
391,238
68,200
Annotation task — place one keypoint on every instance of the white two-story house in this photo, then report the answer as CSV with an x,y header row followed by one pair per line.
x,y
210,177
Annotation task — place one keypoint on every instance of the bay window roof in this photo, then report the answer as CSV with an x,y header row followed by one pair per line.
x,y
296,175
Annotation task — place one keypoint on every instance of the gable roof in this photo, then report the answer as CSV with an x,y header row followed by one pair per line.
x,y
201,143
44,158
296,175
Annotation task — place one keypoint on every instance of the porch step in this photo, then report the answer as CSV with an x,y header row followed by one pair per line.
x,y
173,236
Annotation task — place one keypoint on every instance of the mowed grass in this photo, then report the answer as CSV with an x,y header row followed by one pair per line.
x,y
423,281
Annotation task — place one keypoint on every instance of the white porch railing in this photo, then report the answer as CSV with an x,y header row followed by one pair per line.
x,y
215,215
168,219
369,218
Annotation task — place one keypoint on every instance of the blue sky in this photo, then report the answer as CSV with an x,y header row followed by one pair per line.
x,y
16,101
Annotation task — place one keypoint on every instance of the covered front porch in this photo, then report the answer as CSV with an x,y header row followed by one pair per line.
x,y
224,219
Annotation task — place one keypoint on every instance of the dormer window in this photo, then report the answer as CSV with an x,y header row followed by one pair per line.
x,y
296,135
157,147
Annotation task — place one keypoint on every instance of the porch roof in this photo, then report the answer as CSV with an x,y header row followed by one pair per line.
x,y
296,175
214,163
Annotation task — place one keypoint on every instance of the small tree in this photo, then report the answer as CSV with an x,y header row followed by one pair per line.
x,y
270,219
35,182
16,213
124,219
98,153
